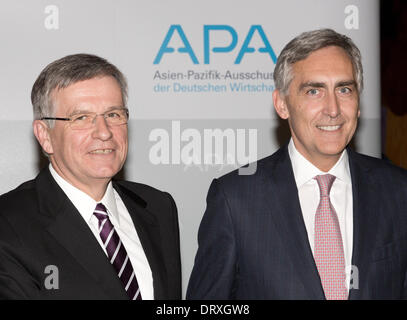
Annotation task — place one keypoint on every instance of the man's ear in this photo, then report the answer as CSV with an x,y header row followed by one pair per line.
x,y
280,104
42,134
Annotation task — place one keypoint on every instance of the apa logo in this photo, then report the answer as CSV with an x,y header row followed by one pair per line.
x,y
207,29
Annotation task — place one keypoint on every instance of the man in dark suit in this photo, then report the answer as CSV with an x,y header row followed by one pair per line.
x,y
72,232
316,220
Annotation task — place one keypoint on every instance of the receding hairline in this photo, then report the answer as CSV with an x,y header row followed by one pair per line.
x,y
345,81
309,42
59,88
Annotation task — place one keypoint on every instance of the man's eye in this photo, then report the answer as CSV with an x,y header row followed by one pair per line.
x,y
345,90
113,115
313,92
80,117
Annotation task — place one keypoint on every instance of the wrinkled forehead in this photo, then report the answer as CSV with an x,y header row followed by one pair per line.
x,y
97,94
326,64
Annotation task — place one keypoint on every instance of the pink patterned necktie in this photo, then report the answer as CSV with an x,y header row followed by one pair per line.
x,y
328,250
117,253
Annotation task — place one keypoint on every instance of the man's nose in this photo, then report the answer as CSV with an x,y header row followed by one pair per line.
x,y
101,129
332,107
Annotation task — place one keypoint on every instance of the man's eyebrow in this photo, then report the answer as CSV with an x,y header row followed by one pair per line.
x,y
80,111
311,84
346,83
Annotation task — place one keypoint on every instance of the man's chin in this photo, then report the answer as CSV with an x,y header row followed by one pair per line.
x,y
333,151
103,173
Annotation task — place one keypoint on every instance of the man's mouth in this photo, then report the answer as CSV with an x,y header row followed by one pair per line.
x,y
102,151
329,128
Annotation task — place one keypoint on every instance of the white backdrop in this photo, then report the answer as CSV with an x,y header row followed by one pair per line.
x,y
200,78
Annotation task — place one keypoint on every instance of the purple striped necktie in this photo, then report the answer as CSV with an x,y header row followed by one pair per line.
x,y
117,253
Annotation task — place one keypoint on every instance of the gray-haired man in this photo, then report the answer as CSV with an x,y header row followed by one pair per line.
x,y
72,232
316,220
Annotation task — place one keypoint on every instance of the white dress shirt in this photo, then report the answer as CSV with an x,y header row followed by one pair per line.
x,y
122,222
340,196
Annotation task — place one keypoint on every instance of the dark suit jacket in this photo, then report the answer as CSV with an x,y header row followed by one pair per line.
x,y
253,242
39,227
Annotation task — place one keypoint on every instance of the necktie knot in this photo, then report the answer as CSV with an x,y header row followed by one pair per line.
x,y
325,183
100,212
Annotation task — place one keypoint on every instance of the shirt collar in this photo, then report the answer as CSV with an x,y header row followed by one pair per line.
x,y
109,201
83,202
304,170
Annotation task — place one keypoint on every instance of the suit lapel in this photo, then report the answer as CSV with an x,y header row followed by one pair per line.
x,y
365,206
149,234
281,194
71,231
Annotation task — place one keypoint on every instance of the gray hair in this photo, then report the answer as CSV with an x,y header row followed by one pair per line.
x,y
66,71
306,43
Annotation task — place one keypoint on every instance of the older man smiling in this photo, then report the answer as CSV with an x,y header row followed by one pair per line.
x,y
106,239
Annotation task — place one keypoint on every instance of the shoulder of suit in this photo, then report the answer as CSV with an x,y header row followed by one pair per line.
x,y
259,168
18,196
380,167
138,187
17,204
146,193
